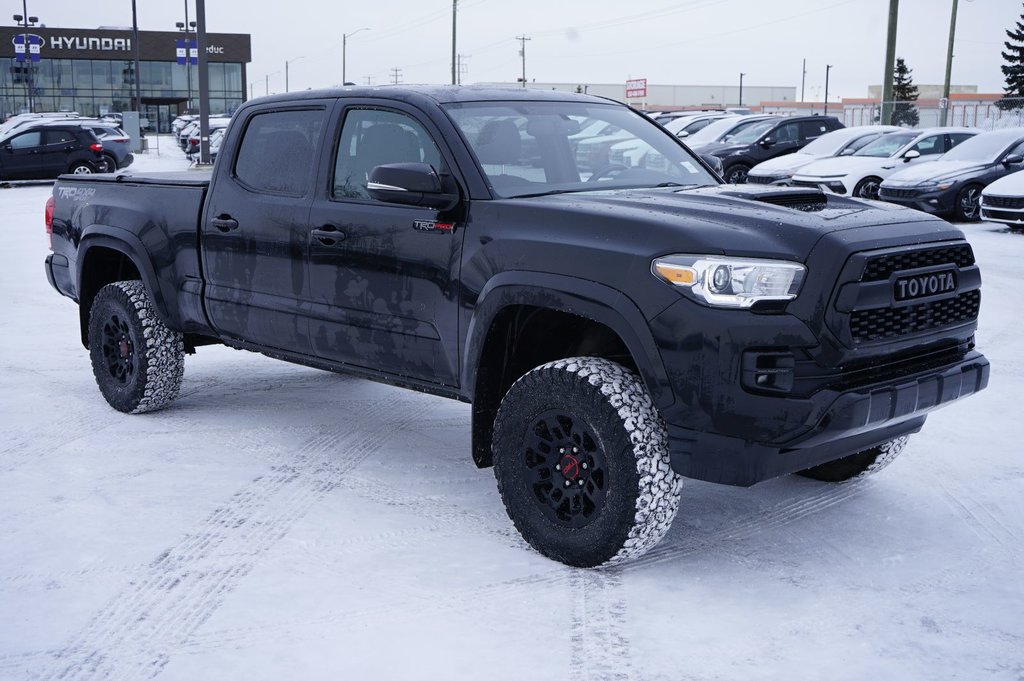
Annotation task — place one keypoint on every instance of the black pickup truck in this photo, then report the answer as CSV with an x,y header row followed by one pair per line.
x,y
615,329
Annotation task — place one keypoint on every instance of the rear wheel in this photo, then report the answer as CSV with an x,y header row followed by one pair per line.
x,y
81,168
138,362
582,464
857,465
868,188
111,162
968,204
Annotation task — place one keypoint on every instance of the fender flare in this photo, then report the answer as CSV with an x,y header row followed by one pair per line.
x,y
581,297
127,243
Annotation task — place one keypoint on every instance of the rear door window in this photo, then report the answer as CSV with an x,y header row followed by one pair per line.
x,y
58,137
810,130
278,151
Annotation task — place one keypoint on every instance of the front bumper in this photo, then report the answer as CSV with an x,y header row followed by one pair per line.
x,y
1007,215
942,202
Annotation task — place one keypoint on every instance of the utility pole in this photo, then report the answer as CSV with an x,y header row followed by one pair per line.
x,y
369,80
135,39
396,76
266,80
455,74
463,67
522,53
890,62
949,65
741,88
828,67
204,83
803,80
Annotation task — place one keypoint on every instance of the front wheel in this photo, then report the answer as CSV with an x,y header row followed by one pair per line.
x,y
582,464
868,188
968,204
736,174
857,465
138,362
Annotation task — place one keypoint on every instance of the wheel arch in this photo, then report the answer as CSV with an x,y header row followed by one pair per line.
x,y
107,254
525,319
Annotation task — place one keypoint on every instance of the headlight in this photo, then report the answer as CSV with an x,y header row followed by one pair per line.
x,y
935,185
731,282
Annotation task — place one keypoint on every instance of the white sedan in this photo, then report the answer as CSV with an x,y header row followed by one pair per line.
x,y
1003,200
861,173
842,142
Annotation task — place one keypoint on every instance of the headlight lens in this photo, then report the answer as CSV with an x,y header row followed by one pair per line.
x,y
731,282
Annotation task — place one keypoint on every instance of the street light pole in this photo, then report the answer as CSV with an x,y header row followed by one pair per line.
x,y
741,88
949,65
344,50
286,63
29,85
828,67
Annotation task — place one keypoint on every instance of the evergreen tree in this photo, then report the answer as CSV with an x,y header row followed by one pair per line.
x,y
1013,69
903,92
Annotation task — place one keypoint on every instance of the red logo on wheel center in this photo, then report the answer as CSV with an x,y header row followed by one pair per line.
x,y
570,467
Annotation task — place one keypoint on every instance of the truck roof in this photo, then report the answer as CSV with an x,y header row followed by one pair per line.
x,y
439,94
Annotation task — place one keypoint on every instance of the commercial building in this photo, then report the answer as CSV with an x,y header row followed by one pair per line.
x,y
93,72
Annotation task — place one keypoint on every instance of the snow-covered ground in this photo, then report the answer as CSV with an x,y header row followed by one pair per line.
x,y
278,522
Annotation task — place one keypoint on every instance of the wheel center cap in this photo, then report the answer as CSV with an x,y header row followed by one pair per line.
x,y
125,348
569,467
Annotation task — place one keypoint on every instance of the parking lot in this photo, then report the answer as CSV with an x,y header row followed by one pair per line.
x,y
278,522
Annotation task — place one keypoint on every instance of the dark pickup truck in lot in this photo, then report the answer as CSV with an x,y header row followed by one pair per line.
x,y
615,329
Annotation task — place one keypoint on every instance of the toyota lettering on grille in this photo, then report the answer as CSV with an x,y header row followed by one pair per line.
x,y
924,285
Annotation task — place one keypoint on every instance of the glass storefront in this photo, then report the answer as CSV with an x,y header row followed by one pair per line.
x,y
94,87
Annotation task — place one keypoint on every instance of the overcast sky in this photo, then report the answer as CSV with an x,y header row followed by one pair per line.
x,y
705,42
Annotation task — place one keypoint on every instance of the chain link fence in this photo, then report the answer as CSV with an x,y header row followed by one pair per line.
x,y
984,114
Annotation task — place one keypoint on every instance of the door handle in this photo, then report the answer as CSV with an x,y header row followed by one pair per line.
x,y
224,223
328,235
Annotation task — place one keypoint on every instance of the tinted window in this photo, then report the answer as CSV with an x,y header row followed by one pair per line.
x,y
371,138
812,129
26,140
278,151
58,137
956,138
790,132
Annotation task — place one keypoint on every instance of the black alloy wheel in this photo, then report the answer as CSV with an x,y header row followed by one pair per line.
x,y
868,188
968,204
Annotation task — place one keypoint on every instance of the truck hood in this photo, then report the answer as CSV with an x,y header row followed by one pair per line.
x,y
743,220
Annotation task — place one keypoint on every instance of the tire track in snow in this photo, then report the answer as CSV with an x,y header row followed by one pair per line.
x,y
599,647
133,637
977,516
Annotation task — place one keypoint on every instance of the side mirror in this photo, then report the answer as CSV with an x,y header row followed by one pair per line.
x,y
1016,159
767,142
682,134
410,184
8,148
911,155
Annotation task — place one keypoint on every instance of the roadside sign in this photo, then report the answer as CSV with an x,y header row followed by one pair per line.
x,y
186,49
636,89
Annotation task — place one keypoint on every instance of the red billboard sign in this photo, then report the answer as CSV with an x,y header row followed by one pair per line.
x,y
636,89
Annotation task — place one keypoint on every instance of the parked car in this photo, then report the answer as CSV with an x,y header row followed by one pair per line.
x,y
842,142
685,126
216,137
952,185
723,130
29,119
766,140
117,145
862,173
192,140
47,151
1003,201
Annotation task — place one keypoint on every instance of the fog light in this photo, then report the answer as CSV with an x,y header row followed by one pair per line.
x,y
768,371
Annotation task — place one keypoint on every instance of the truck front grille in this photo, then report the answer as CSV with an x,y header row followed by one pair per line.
x,y
887,323
866,310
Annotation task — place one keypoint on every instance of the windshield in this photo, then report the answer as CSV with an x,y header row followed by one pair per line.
x,y
887,145
531,148
752,133
981,148
831,143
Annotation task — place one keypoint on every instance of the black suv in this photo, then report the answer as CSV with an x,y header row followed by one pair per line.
x,y
766,140
48,151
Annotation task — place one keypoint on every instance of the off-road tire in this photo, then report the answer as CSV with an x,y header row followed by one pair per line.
x,y
137,361
605,411
859,465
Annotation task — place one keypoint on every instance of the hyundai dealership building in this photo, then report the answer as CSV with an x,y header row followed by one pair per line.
x,y
92,71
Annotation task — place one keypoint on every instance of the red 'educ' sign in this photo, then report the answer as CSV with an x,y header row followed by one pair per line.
x,y
636,89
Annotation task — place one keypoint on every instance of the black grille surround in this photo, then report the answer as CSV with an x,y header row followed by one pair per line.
x,y
1003,201
762,179
865,310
